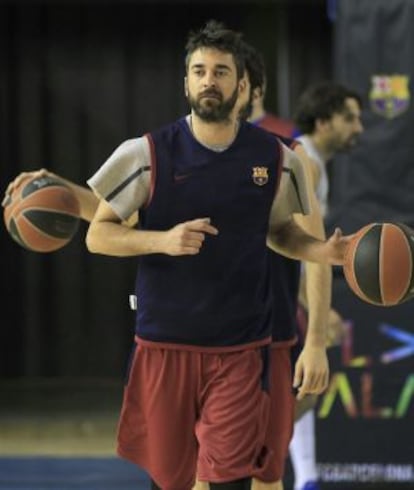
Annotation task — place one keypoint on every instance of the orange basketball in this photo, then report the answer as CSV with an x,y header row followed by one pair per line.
x,y
379,263
42,214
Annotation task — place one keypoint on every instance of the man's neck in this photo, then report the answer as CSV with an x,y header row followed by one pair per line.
x,y
321,147
214,134
257,114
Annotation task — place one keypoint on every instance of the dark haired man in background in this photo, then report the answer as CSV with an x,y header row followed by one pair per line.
x,y
328,118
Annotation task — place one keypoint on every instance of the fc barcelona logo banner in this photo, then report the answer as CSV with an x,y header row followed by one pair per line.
x,y
390,95
260,175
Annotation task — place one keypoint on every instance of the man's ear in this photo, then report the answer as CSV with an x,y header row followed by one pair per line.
x,y
257,93
322,124
242,85
186,86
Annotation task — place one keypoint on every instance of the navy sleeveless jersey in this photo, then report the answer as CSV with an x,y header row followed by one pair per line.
x,y
222,296
285,278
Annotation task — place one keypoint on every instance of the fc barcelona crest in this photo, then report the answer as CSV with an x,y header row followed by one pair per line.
x,y
390,95
260,175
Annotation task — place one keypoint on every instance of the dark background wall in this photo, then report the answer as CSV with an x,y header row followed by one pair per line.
x,y
374,54
76,79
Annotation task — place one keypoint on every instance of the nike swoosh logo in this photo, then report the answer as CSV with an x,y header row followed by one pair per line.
x,y
179,178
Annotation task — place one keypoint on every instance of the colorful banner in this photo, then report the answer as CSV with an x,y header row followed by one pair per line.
x,y
365,419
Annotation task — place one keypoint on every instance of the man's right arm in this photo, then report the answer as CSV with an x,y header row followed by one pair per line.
x,y
123,182
109,235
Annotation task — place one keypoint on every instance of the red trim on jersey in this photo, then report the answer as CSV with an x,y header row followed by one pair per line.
x,y
281,160
199,348
284,343
153,168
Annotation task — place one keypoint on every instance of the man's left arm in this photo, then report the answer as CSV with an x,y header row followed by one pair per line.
x,y
312,367
285,235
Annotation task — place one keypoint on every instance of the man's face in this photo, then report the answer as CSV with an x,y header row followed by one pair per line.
x,y
344,128
212,87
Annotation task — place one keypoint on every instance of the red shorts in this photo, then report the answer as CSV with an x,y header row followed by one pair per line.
x,y
187,412
281,419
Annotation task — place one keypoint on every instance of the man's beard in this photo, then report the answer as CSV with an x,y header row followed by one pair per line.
x,y
213,111
345,146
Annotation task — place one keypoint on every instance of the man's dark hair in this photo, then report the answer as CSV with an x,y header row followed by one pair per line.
x,y
217,36
255,66
321,101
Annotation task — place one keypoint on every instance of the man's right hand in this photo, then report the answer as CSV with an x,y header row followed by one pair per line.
x,y
187,238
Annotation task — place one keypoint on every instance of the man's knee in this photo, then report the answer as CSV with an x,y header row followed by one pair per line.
x,y
201,485
260,485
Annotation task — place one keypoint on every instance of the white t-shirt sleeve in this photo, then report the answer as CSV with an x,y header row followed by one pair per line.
x,y
124,180
292,196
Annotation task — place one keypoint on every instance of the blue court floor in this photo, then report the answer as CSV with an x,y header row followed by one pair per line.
x,y
60,435
48,473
